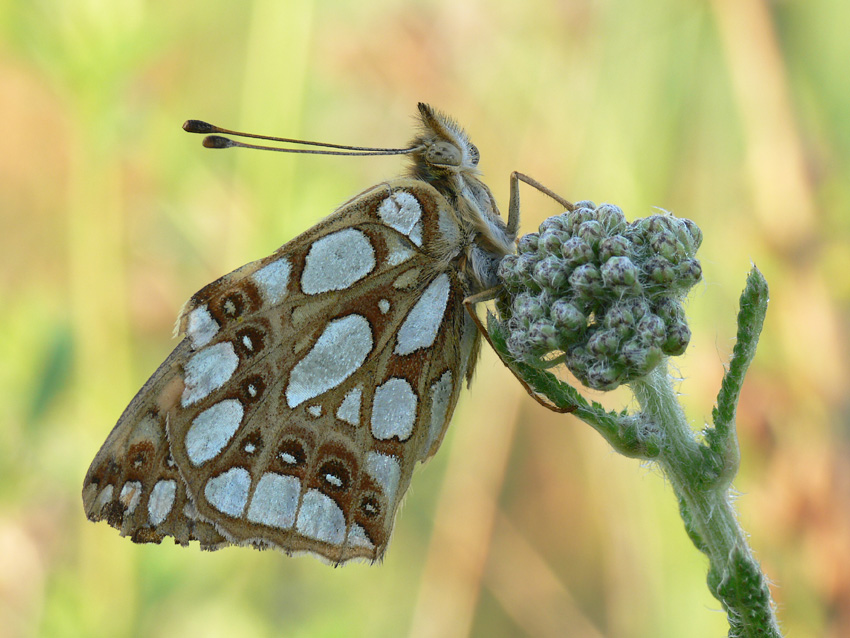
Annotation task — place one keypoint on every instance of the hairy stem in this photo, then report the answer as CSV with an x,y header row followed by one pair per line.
x,y
710,519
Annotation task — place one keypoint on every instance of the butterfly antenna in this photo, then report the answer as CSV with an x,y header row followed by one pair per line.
x,y
213,140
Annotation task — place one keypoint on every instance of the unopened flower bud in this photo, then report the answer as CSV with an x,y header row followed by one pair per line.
x,y
651,329
604,377
660,271
525,264
585,203
678,338
637,306
605,293
577,252
660,223
603,343
543,336
556,223
584,211
529,306
508,271
612,218
669,308
620,319
551,240
689,272
527,243
591,232
567,317
640,358
614,246
587,281
694,234
551,273
665,244
619,272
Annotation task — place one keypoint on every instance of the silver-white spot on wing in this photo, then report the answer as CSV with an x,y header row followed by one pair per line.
x,y
402,211
337,261
393,410
386,472
273,280
384,306
398,250
441,394
422,323
208,370
314,410
161,501
321,518
275,501
104,497
130,495
349,409
212,429
357,537
228,492
337,354
201,327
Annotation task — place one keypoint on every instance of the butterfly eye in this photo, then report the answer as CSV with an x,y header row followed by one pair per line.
x,y
474,155
443,153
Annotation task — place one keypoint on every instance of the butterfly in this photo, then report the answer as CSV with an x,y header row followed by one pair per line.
x,y
308,384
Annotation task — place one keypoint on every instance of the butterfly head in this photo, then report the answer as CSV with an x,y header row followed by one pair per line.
x,y
444,157
442,148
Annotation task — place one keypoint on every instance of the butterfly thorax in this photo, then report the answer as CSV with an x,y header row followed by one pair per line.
x,y
448,161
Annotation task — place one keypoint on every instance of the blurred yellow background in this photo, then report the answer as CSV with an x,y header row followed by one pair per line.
x,y
732,112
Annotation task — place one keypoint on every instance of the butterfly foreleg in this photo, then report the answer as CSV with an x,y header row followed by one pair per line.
x,y
513,206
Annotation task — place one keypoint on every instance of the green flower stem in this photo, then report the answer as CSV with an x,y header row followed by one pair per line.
x,y
700,471
734,576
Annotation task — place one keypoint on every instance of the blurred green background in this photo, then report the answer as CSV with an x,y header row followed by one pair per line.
x,y
732,112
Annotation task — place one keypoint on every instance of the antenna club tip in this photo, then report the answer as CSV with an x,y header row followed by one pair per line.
x,y
198,126
216,141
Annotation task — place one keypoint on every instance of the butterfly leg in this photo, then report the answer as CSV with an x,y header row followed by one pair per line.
x,y
513,206
489,295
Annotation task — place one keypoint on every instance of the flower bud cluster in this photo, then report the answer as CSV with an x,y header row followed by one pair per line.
x,y
606,293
